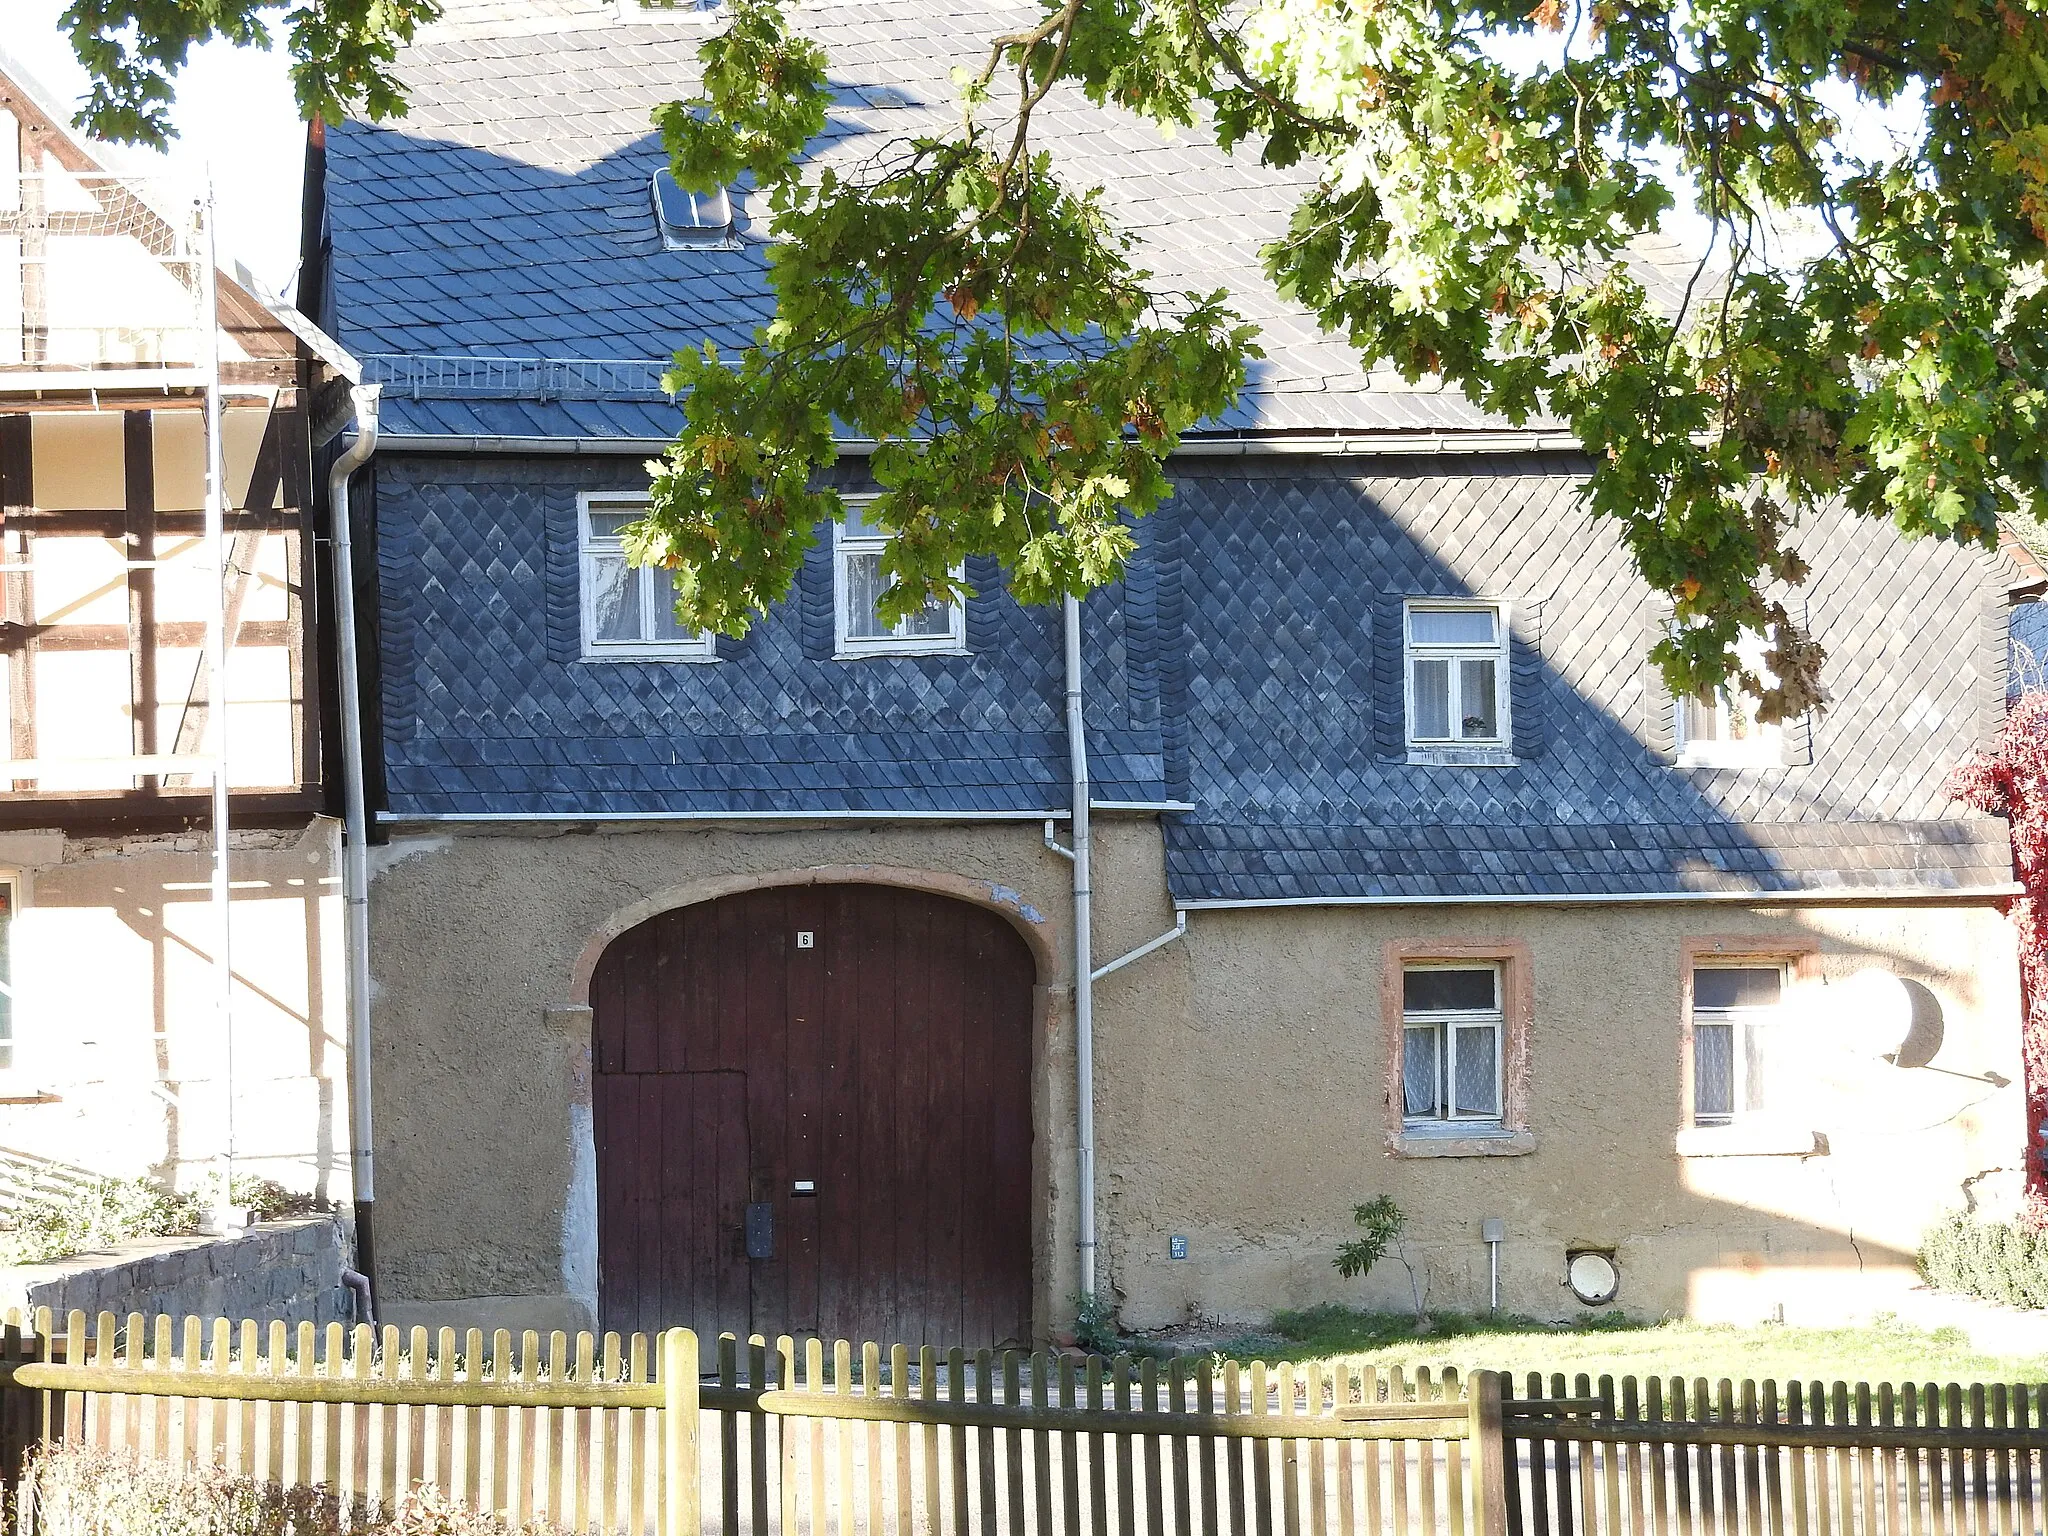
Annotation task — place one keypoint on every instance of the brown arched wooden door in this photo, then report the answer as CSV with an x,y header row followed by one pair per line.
x,y
812,1111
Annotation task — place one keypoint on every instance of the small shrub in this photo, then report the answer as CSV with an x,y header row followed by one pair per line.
x,y
1996,1260
1095,1327
269,1199
76,1490
1381,1220
106,1211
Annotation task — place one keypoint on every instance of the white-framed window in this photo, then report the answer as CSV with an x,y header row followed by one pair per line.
x,y
1457,675
1722,731
629,612
1736,1010
1451,1028
857,588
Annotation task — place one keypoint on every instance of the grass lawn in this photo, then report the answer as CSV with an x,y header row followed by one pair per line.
x,y
1882,1351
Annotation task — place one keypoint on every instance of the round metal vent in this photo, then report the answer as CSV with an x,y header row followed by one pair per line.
x,y
1592,1276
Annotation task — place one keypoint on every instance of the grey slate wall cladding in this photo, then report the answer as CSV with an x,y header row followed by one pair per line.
x,y
1250,663
487,707
1295,580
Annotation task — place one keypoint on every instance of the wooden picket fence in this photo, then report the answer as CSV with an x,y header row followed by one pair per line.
x,y
797,1439
1672,1458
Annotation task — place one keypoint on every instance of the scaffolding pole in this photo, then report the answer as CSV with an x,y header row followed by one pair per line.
x,y
217,689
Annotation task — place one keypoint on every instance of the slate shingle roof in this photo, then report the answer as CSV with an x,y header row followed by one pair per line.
x,y
508,216
1248,664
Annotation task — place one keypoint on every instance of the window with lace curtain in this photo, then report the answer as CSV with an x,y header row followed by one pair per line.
x,y
629,611
1457,675
1451,1026
1735,1016
936,629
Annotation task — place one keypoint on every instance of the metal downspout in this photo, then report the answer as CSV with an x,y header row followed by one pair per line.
x,y
1084,978
355,868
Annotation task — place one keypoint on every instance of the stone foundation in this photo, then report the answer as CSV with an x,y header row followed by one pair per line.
x,y
284,1271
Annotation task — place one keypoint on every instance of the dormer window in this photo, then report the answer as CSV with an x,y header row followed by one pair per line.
x,y
1721,730
691,221
629,611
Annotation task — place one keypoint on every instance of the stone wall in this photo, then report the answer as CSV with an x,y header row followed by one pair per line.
x,y
288,1271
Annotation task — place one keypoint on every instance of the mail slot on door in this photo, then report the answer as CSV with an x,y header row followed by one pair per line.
x,y
761,1230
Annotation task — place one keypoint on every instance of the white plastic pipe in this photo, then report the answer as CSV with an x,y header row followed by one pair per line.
x,y
1084,980
355,866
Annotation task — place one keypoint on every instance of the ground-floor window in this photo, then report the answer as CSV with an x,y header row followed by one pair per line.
x,y
1735,1022
1740,1050
1450,1043
1457,1018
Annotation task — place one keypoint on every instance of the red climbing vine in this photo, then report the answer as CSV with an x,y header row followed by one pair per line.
x,y
2010,779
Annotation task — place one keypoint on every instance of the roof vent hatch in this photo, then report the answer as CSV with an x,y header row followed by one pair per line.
x,y
690,221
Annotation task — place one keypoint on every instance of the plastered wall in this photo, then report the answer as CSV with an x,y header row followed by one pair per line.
x,y
120,1064
1243,1105
1241,1084
481,943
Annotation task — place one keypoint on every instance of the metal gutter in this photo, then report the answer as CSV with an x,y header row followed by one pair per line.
x,y
355,869
1084,974
487,818
1179,930
1835,896
1309,445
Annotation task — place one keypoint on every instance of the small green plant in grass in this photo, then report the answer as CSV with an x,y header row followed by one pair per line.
x,y
1095,1327
51,1226
1381,1222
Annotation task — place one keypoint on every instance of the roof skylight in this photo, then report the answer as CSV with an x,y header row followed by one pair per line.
x,y
690,222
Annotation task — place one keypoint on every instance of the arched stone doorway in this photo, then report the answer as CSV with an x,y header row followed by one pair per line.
x,y
812,1114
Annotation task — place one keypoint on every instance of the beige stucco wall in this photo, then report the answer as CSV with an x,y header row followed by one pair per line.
x,y
1240,1083
1243,1106
120,1065
481,946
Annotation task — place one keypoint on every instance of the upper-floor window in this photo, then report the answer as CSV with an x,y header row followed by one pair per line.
x,y
1735,1014
1451,1027
629,611
1721,729
858,585
1457,675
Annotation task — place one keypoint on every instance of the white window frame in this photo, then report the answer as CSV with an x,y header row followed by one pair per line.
x,y
1738,1021
700,647
1766,748
1445,1023
849,646
1496,750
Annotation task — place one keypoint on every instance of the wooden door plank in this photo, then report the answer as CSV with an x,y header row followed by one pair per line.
x,y
875,1053
945,1126
915,1025
767,1058
839,1187
805,1001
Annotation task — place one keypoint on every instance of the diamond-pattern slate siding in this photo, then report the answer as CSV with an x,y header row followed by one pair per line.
x,y
1250,663
488,708
1290,681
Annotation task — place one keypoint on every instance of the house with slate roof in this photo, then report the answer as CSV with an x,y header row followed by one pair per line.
x,y
733,983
